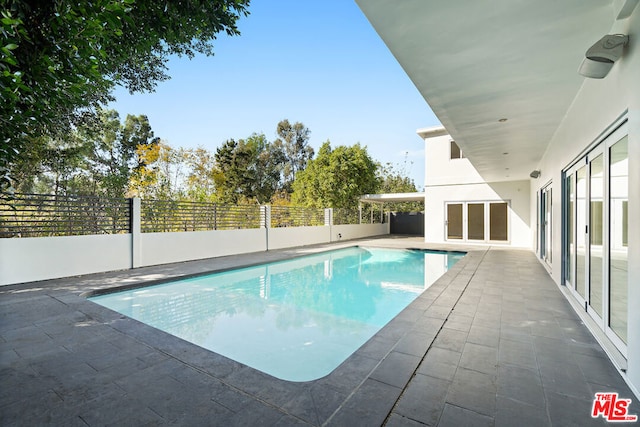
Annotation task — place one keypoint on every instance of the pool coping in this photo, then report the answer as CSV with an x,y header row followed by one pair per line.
x,y
384,364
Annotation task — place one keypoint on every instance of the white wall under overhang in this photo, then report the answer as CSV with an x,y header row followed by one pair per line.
x,y
516,193
598,105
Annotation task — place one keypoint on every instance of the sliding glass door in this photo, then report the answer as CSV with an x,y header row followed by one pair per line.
x,y
454,221
595,228
498,222
545,224
477,221
569,248
619,235
595,233
581,231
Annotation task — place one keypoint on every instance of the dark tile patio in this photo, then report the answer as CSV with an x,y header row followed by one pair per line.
x,y
492,342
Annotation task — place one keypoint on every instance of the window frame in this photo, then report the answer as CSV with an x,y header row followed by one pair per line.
x,y
453,145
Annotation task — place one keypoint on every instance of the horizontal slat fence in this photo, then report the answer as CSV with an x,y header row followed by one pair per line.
x,y
168,215
37,215
346,216
295,216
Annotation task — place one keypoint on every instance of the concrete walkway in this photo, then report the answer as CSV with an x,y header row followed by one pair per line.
x,y
492,342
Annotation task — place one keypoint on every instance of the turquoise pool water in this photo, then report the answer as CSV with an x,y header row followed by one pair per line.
x,y
296,320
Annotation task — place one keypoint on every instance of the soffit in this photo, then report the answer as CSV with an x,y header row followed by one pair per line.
x,y
478,62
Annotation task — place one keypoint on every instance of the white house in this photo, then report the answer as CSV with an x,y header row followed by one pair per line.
x,y
462,206
543,99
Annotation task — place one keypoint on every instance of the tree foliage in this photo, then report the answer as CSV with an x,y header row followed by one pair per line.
x,y
231,173
336,177
113,150
162,173
394,180
248,169
118,158
294,139
200,182
60,60
97,158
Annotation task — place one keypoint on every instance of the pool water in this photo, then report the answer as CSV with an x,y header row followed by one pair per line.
x,y
296,320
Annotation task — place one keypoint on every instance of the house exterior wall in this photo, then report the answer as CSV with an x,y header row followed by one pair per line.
x,y
559,131
597,108
456,180
440,169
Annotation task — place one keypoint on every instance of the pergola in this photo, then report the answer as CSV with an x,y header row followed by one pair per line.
x,y
381,199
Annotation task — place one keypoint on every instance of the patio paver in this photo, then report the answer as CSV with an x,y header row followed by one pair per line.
x,y
492,342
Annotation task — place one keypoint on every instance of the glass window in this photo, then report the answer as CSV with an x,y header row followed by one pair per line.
x,y
498,221
570,249
546,223
456,152
454,221
595,233
581,226
475,221
618,261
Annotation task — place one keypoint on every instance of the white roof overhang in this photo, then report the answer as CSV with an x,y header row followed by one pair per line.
x,y
392,197
477,63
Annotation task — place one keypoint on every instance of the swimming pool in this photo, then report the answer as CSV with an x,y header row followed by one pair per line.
x,y
296,320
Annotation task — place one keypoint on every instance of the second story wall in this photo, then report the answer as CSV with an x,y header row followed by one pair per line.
x,y
441,169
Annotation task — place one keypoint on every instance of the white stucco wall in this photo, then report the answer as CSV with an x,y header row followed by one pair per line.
x,y
164,248
440,169
41,258
516,193
596,107
357,231
456,180
289,237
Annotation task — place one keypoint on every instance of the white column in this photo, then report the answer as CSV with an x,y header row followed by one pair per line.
x,y
136,230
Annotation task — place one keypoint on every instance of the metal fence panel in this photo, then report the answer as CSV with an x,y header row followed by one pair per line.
x,y
296,216
346,216
170,215
38,215
35,215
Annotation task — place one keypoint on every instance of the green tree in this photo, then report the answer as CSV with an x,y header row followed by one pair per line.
x,y
114,145
96,158
336,177
294,139
162,172
60,60
48,166
200,183
59,167
233,171
394,180
267,168
248,169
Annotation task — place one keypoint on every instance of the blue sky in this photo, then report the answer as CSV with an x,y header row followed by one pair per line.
x,y
318,62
